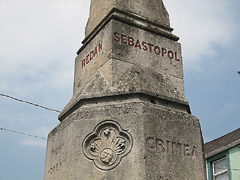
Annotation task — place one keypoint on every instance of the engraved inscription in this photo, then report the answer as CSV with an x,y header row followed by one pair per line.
x,y
57,150
57,167
91,55
159,145
107,145
145,46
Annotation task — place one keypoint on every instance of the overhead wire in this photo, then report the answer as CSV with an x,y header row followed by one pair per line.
x,y
30,103
27,102
22,133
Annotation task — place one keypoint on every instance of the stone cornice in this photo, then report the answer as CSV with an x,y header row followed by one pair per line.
x,y
133,20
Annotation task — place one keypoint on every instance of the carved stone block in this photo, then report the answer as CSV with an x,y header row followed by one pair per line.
x,y
107,145
126,139
128,117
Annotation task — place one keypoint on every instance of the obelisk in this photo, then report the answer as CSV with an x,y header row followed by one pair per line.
x,y
128,118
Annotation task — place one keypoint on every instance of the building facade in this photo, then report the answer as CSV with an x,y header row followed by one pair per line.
x,y
223,157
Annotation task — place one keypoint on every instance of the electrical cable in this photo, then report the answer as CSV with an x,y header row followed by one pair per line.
x,y
33,104
16,132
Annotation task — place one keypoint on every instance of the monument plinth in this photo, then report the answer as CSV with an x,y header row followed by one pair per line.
x,y
128,117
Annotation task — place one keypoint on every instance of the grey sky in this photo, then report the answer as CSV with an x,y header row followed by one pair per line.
x,y
39,41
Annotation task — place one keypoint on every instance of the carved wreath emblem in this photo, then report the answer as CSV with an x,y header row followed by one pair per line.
x,y
107,145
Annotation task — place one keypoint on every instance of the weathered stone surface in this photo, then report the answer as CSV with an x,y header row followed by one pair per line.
x,y
123,59
165,143
128,117
132,45
153,10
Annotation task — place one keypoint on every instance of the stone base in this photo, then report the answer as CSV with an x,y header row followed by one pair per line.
x,y
128,138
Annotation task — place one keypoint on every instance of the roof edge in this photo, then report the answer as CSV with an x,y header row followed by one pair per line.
x,y
222,149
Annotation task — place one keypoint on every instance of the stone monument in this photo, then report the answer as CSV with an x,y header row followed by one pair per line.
x,y
128,117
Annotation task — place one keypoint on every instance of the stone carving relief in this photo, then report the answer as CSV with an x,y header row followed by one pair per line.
x,y
107,145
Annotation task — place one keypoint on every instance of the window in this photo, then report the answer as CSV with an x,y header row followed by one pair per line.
x,y
220,169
